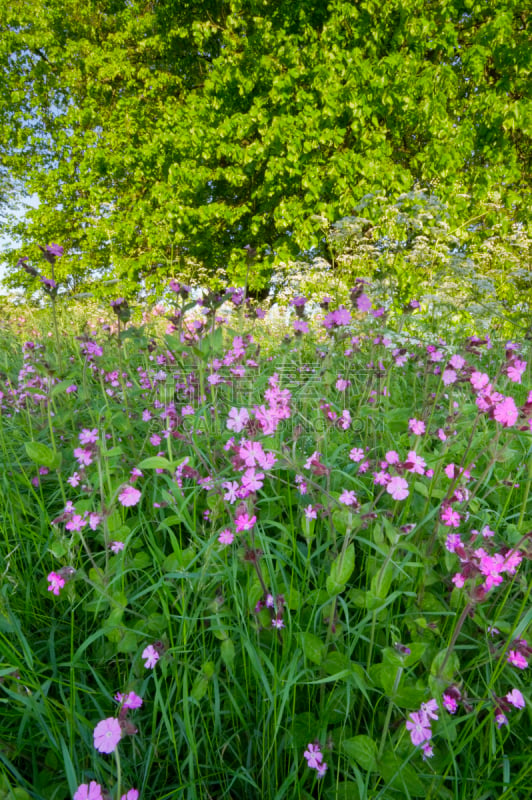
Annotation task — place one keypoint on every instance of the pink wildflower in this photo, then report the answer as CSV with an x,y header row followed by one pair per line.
x,y
231,488
252,481
348,498
129,496
226,537
428,751
244,522
132,794
415,463
449,703
84,457
356,454
512,560
515,698
416,426
398,488
237,419
88,436
314,756
89,791
129,700
251,452
457,362
301,326
450,517
381,478
452,542
517,659
479,380
56,583
337,318
449,376
107,734
430,709
151,655
321,769
506,412
419,728
515,370
76,523
116,547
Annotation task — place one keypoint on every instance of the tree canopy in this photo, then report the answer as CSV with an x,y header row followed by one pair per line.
x,y
165,137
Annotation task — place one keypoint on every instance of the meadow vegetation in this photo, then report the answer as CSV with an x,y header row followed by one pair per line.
x,y
247,559
268,542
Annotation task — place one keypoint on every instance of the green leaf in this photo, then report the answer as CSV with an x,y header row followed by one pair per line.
x,y
345,790
303,729
313,647
450,668
227,652
41,454
400,776
155,462
409,697
201,684
380,583
363,750
199,688
341,570
421,489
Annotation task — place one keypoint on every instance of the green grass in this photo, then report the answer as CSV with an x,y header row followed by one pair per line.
x,y
372,624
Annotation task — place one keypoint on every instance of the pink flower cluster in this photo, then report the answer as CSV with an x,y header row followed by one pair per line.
x,y
500,408
94,791
276,606
513,699
314,758
419,725
343,421
475,562
519,653
76,522
57,580
337,319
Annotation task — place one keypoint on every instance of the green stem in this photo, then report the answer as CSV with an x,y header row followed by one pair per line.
x,y
57,337
118,775
389,710
454,637
526,494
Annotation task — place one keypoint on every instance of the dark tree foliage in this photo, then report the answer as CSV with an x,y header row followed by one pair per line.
x,y
165,136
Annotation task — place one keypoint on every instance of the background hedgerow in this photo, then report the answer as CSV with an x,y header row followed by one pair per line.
x,y
237,564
